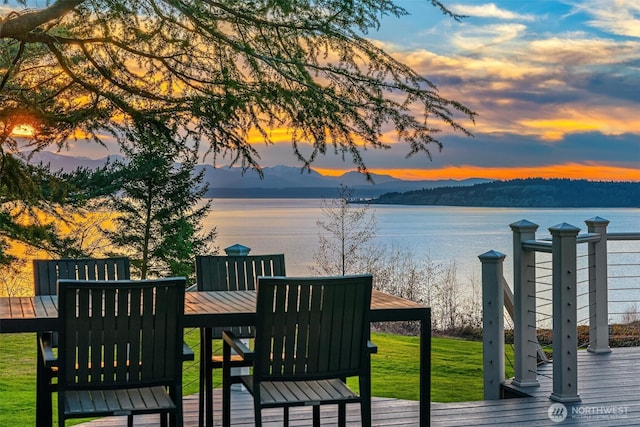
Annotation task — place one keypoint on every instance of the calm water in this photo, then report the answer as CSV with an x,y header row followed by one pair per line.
x,y
445,234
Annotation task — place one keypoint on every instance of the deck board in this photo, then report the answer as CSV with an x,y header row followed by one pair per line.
x,y
604,381
404,413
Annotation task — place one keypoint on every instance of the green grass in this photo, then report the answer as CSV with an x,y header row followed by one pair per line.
x,y
456,367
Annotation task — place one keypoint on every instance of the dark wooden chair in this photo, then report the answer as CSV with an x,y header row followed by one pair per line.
x,y
46,273
311,334
227,273
120,349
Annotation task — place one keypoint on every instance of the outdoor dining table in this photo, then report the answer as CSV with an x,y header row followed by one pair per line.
x,y
228,308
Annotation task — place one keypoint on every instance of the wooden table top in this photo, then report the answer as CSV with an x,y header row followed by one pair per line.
x,y
220,308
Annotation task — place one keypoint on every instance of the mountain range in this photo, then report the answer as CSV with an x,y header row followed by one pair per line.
x,y
277,181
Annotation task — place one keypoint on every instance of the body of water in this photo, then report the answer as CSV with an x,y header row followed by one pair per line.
x,y
442,234
445,234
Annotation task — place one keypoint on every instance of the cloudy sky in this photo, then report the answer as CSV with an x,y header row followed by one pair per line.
x,y
555,83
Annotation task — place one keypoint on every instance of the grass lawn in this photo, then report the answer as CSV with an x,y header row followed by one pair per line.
x,y
456,367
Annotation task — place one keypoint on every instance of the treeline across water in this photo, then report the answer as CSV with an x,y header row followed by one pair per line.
x,y
533,192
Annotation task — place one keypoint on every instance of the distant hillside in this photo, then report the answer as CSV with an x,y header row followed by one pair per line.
x,y
277,181
534,193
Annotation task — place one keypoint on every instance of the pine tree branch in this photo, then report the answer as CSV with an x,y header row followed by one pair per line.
x,y
19,25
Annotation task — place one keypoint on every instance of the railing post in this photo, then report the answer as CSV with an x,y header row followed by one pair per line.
x,y
492,323
524,293
598,288
565,316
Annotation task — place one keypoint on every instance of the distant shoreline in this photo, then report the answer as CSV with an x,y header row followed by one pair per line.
x,y
519,193
525,193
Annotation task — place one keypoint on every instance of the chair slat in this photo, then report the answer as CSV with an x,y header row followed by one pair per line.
x,y
83,270
161,398
324,329
123,323
290,331
170,340
95,338
99,400
73,403
82,326
304,337
233,273
124,400
251,272
158,332
134,345
45,275
135,398
110,334
111,400
350,329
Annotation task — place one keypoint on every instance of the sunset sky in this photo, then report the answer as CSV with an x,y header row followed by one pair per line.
x,y
556,85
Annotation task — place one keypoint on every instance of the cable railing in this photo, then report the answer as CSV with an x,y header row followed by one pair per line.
x,y
624,279
570,292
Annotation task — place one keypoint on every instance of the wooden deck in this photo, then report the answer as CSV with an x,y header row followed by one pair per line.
x,y
607,383
385,412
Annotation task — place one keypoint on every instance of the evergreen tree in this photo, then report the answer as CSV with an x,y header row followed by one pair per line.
x,y
159,223
222,70
36,203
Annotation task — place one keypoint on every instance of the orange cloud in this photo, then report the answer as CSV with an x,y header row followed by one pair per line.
x,y
592,172
607,120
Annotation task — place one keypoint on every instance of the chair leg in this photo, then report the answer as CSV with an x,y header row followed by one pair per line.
x,y
44,410
226,386
257,414
342,415
61,417
209,392
365,413
286,416
316,415
365,401
176,418
201,382
205,363
130,420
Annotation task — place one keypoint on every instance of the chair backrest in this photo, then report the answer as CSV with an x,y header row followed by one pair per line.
x,y
312,327
124,333
236,273
47,272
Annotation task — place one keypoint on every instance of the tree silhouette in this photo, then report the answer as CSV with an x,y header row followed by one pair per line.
x,y
226,72
222,69
159,223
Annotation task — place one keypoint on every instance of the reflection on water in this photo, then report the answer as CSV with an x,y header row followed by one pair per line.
x,y
444,234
